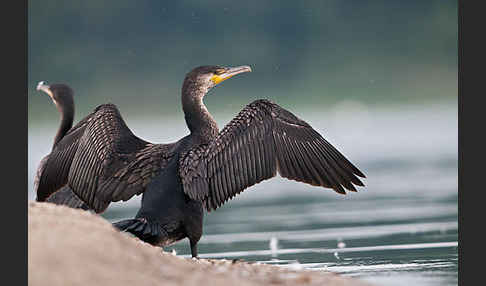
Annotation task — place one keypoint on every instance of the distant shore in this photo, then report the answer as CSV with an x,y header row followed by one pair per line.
x,y
73,247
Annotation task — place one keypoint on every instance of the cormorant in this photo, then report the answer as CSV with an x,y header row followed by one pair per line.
x,y
104,162
62,96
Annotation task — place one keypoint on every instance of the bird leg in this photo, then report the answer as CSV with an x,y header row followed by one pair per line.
x,y
193,249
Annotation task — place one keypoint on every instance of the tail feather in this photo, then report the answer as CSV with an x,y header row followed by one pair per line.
x,y
141,228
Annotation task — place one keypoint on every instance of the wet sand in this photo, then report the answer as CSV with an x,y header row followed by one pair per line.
x,y
73,247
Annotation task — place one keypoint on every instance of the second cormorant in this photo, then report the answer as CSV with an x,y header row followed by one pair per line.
x,y
62,96
105,162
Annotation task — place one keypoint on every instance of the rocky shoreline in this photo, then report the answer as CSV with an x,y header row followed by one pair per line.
x,y
72,247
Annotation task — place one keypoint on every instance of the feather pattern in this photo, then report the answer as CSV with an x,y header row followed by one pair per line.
x,y
111,163
53,170
260,141
66,197
102,161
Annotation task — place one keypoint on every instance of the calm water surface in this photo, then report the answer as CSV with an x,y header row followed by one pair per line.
x,y
400,229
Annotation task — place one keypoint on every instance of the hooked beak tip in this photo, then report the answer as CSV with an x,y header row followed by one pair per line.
x,y
40,85
43,86
242,69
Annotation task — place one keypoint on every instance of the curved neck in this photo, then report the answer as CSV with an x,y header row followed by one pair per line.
x,y
198,119
67,117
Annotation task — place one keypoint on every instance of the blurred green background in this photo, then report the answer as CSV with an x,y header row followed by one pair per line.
x,y
303,53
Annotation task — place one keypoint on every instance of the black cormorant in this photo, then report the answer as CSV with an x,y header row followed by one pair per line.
x,y
62,96
104,162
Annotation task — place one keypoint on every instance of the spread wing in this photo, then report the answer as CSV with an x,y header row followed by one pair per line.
x,y
103,161
111,163
260,141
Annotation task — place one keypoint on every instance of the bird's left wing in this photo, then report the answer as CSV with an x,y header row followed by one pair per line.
x,y
262,139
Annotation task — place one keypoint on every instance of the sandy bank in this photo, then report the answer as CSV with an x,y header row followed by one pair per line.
x,y
72,247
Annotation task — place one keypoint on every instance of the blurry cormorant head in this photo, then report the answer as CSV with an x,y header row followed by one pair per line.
x,y
61,94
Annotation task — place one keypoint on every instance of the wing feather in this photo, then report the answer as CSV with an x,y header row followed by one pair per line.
x,y
261,141
102,161
53,170
66,197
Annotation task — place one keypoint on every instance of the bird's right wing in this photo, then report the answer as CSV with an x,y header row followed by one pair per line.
x,y
135,175
111,163
101,160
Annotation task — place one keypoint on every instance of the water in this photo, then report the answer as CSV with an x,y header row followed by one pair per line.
x,y
400,229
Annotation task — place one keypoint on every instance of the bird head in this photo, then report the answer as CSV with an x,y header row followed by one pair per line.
x,y
204,78
61,94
